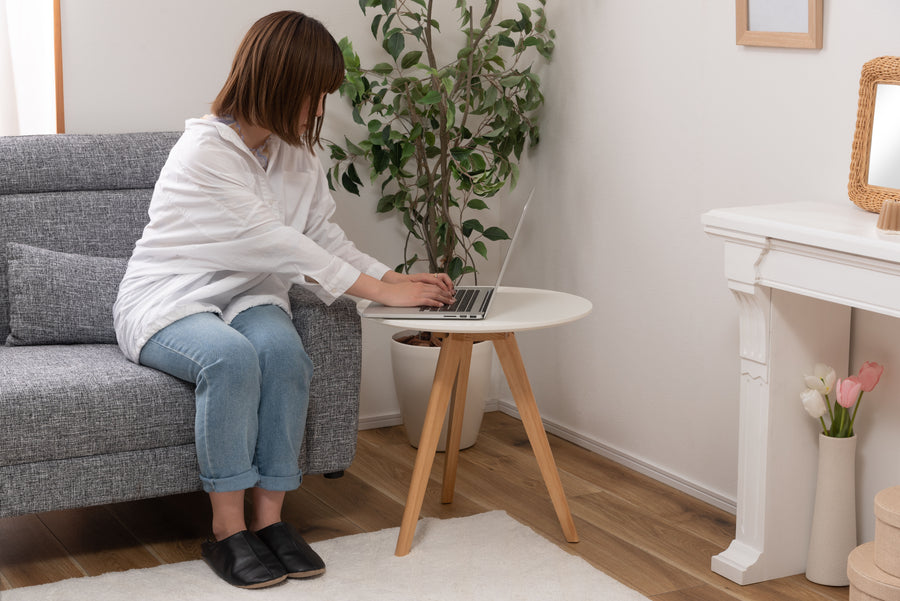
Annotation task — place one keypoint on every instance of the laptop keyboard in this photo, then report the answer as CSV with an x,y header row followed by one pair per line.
x,y
465,298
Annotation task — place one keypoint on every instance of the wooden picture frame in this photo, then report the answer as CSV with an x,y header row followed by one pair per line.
x,y
811,38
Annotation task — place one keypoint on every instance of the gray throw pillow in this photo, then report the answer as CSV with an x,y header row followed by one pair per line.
x,y
61,298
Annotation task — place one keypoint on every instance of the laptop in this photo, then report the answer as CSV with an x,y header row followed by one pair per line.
x,y
472,302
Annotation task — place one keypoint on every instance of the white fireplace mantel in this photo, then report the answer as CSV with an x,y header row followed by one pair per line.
x,y
795,270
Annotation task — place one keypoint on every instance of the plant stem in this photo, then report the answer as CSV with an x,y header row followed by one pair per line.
x,y
855,409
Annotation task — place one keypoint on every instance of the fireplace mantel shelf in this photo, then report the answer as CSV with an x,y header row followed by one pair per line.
x,y
796,270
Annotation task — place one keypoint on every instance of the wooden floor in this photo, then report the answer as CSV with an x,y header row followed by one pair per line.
x,y
643,533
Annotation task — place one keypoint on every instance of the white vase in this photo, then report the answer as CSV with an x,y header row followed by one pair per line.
x,y
414,368
833,534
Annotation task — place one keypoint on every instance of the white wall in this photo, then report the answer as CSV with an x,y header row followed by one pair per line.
x,y
27,71
653,117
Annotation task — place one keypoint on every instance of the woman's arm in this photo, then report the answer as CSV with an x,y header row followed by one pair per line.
x,y
402,290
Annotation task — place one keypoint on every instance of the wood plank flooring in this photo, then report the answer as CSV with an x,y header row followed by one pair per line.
x,y
653,538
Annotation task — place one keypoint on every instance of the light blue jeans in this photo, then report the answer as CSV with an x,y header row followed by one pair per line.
x,y
252,393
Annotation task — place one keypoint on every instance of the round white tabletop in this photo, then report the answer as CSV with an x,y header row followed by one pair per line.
x,y
513,310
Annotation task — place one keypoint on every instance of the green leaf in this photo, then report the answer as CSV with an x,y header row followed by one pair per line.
x,y
349,185
337,153
460,153
380,159
495,233
383,68
455,268
480,248
353,148
375,23
478,205
432,97
470,225
397,155
511,81
410,59
385,204
354,176
395,44
525,10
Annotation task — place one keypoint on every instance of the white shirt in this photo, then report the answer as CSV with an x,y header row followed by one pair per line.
x,y
226,235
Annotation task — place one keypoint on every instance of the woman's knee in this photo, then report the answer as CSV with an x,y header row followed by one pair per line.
x,y
278,345
234,364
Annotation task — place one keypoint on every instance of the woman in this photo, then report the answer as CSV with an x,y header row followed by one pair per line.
x,y
240,214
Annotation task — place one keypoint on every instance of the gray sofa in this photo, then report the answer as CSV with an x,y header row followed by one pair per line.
x,y
79,424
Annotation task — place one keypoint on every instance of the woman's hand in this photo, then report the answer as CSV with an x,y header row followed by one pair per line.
x,y
419,289
403,290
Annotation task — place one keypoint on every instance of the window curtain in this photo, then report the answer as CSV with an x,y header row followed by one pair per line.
x,y
9,113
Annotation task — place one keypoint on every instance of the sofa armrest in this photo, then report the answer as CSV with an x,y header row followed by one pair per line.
x,y
332,336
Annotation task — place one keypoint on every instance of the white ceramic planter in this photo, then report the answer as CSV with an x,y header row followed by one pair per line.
x,y
414,368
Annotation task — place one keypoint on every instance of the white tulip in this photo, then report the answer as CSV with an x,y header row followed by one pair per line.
x,y
814,383
827,374
814,403
822,379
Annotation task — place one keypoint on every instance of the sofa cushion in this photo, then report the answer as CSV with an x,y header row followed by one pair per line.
x,y
62,401
60,298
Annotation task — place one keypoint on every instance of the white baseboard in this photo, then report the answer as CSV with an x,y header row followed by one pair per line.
x,y
380,421
395,419
648,469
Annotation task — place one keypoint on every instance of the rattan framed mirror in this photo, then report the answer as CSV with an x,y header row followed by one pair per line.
x,y
877,120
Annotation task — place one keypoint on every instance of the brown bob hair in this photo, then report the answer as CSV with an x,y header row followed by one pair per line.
x,y
284,64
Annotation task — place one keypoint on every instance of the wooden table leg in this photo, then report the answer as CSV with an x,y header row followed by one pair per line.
x,y
457,412
514,368
444,377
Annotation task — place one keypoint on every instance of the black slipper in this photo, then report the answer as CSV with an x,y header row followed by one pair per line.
x,y
243,561
297,557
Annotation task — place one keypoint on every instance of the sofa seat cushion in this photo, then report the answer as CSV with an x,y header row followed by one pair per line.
x,y
63,401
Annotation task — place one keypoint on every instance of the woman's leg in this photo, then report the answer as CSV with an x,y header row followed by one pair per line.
x,y
202,349
286,371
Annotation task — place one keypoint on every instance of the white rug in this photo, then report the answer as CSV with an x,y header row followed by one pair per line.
x,y
489,556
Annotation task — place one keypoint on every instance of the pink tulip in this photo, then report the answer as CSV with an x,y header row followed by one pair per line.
x,y
869,374
848,391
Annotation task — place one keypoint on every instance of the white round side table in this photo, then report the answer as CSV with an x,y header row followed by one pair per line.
x,y
513,310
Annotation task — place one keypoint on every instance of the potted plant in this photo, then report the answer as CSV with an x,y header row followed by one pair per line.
x,y
444,131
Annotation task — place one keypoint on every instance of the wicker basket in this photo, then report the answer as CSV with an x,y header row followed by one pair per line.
x,y
885,69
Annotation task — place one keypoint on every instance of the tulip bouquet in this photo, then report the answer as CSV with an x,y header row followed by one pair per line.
x,y
848,395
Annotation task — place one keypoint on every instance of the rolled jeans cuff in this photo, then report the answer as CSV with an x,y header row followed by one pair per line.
x,y
242,481
280,483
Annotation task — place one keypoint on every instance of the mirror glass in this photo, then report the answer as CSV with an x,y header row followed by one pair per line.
x,y
884,154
